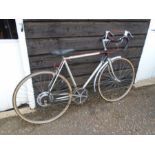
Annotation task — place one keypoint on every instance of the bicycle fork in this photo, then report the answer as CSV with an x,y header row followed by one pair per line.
x,y
111,70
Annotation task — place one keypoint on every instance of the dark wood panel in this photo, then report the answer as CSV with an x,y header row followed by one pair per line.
x,y
45,36
81,28
46,46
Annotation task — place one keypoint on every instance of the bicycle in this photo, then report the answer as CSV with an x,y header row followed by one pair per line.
x,y
44,96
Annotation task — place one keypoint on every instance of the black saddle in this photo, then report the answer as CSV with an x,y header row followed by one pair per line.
x,y
62,52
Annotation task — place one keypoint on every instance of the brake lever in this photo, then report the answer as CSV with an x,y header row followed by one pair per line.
x,y
126,37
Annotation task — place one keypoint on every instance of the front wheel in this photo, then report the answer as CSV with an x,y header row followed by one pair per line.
x,y
35,102
115,87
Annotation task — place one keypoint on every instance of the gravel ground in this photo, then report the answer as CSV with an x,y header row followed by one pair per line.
x,y
135,114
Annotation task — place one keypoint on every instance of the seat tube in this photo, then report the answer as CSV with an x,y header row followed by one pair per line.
x,y
70,73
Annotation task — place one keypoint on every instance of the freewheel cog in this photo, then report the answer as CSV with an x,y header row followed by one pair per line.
x,y
44,99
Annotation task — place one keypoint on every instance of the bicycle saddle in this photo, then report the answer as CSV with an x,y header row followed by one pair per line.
x,y
62,52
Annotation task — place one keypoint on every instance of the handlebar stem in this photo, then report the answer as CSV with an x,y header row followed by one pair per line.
x,y
107,33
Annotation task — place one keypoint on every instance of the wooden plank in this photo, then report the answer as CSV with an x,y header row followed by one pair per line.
x,y
86,20
81,69
81,28
80,80
46,46
135,62
50,61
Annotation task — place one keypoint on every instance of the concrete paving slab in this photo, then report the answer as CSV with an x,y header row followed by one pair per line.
x,y
135,114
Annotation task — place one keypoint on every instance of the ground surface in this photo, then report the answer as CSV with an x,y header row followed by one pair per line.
x,y
135,114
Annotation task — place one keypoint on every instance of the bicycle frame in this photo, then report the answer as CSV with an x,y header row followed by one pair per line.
x,y
96,72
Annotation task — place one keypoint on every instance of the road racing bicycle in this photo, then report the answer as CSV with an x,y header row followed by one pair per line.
x,y
44,96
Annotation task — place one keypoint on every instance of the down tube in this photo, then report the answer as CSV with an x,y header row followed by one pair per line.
x,y
92,75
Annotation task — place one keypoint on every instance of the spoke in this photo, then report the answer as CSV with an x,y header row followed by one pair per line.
x,y
75,95
84,96
80,100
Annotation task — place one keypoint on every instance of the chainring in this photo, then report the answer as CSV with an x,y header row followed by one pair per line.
x,y
80,95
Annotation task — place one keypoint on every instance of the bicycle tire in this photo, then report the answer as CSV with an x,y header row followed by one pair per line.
x,y
107,86
38,99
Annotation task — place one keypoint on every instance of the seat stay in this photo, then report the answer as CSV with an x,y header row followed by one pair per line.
x,y
51,85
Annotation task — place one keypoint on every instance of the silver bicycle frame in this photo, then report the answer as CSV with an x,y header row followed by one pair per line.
x,y
96,72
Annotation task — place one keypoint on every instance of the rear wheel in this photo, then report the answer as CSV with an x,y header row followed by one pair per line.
x,y
112,89
35,103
